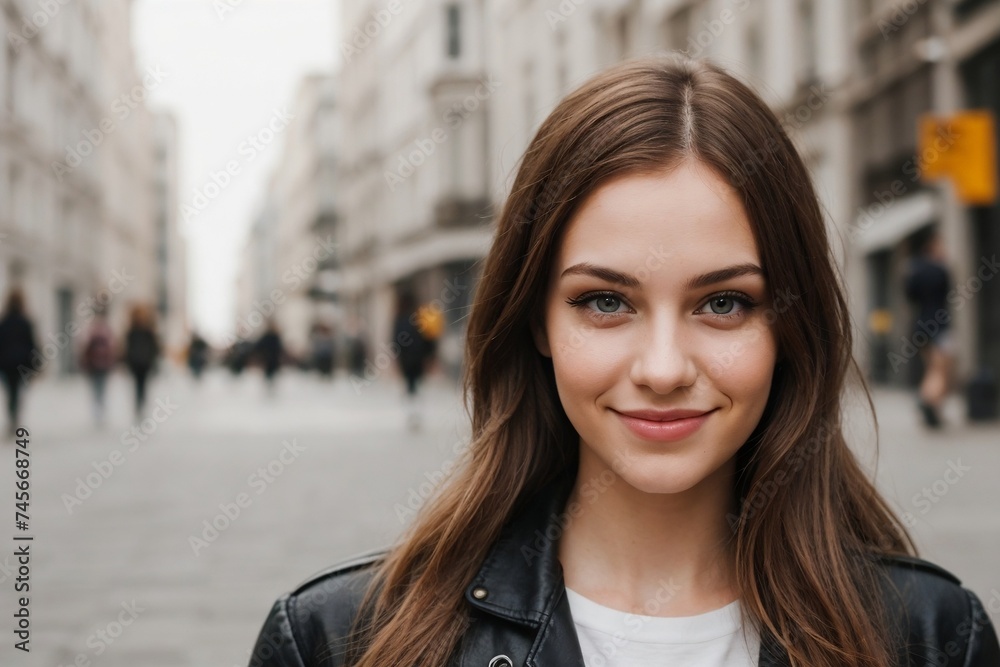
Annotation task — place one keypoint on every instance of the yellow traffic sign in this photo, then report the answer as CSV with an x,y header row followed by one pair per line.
x,y
961,147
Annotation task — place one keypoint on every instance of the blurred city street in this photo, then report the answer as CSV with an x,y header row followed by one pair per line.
x,y
332,493
132,573
299,190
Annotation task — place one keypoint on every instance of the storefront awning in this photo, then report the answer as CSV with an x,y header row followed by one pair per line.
x,y
876,230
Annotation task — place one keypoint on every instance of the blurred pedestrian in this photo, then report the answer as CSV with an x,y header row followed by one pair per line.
x,y
927,285
238,355
323,349
430,322
415,351
197,356
97,358
269,351
142,348
357,348
17,347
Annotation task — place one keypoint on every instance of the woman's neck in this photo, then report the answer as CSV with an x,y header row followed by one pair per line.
x,y
650,554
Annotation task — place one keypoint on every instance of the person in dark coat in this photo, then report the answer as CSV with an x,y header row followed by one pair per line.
x,y
141,351
269,351
357,349
17,347
927,286
415,352
324,350
197,355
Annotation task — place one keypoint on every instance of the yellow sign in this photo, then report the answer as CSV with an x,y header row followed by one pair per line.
x,y
963,148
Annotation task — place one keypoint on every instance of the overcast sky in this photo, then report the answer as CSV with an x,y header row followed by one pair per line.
x,y
227,73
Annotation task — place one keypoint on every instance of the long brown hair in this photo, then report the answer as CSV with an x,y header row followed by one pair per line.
x,y
811,524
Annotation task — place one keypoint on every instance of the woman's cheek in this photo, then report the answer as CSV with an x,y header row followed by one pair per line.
x,y
571,339
586,356
744,359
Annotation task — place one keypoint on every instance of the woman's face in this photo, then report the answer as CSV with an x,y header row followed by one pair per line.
x,y
657,302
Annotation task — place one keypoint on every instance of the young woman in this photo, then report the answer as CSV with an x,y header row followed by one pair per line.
x,y
657,473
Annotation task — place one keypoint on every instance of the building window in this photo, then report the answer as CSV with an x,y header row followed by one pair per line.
x,y
755,50
10,76
966,9
562,73
678,30
807,42
529,96
887,150
623,31
453,19
15,196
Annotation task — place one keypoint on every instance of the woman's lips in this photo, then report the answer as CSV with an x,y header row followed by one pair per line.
x,y
664,431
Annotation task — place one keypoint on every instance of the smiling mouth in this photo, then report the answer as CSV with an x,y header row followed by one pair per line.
x,y
668,430
667,416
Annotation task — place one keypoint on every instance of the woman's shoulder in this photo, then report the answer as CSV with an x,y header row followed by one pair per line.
x,y
309,625
919,580
937,614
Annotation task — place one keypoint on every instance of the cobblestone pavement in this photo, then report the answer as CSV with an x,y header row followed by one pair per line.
x,y
128,569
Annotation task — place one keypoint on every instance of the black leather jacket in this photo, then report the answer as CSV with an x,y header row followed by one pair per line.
x,y
520,615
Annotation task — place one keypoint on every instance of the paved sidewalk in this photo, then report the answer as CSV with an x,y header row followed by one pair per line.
x,y
128,569
944,483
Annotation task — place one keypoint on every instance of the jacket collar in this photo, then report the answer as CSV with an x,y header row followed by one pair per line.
x,y
522,572
521,579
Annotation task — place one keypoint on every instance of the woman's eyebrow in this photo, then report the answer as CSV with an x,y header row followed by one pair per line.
x,y
627,280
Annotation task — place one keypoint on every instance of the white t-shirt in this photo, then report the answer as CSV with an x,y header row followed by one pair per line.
x,y
612,638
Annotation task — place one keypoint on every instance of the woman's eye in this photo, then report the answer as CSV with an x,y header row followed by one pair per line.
x,y
607,304
730,305
604,304
722,305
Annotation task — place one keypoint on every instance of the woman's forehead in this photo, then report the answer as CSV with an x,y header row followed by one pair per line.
x,y
688,217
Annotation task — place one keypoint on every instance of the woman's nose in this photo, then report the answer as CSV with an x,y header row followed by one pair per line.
x,y
663,359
